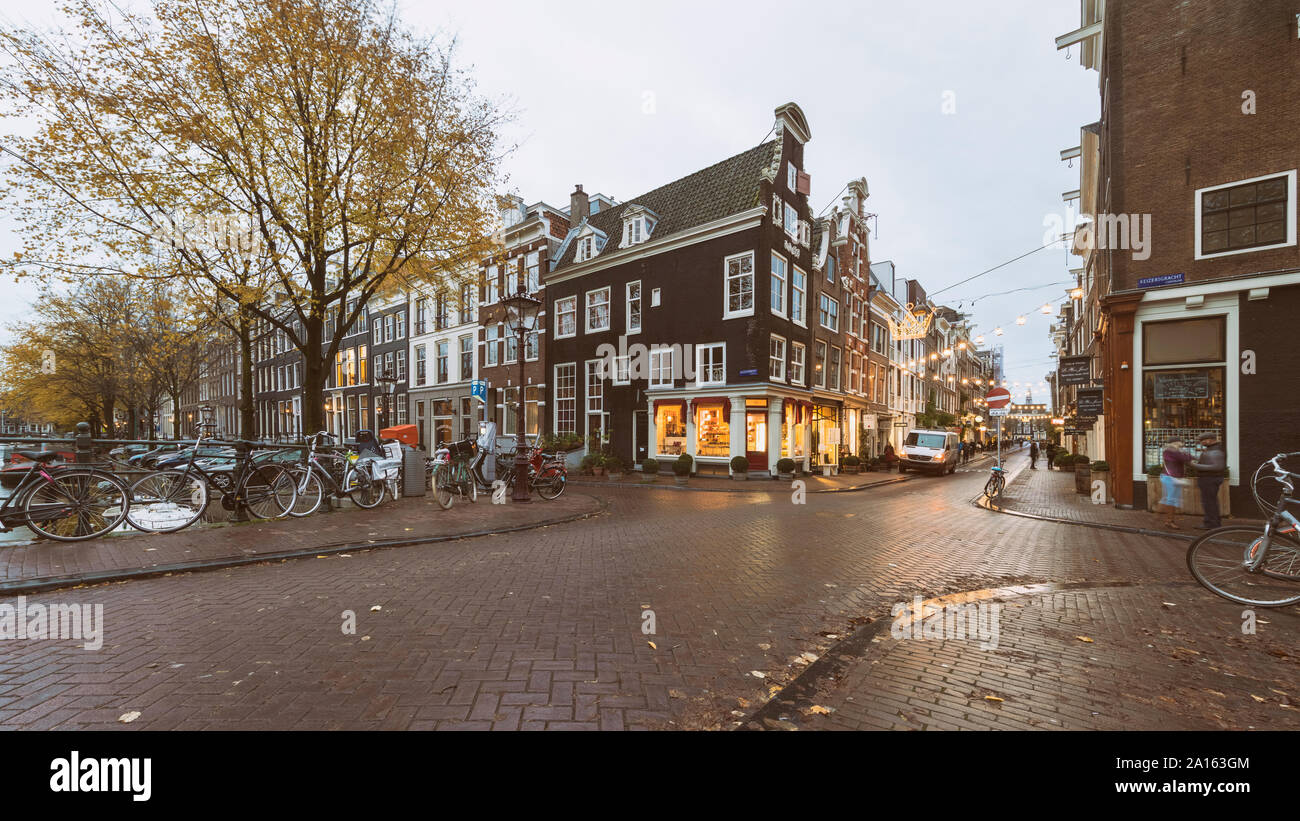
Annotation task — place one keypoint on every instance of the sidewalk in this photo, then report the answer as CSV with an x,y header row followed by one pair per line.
x,y
44,565
1066,657
1050,494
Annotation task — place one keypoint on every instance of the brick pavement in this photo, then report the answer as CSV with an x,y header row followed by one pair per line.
x,y
403,520
543,630
1051,493
1156,657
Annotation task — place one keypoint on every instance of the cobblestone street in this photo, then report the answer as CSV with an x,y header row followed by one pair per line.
x,y
543,629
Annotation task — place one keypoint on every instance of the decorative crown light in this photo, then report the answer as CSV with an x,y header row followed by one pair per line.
x,y
914,325
1047,309
947,352
1077,293
997,332
979,340
1020,320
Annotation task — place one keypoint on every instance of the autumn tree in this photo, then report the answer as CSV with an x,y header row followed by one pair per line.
x,y
287,157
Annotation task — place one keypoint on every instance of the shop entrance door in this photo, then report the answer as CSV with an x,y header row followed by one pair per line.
x,y
756,439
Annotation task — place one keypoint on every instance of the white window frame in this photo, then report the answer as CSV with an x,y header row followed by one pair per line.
x,y
800,317
560,314
658,368
600,377
586,248
827,300
1290,214
586,313
800,362
622,374
727,313
784,277
790,222
628,300
700,370
561,400
654,298
792,178
775,362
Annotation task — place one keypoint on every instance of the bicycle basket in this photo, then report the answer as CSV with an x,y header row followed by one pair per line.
x,y
462,449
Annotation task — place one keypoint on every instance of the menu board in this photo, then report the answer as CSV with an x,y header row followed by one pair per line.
x,y
1089,403
1182,386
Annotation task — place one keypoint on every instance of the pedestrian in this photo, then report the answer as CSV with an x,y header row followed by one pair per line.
x,y
1033,455
1171,481
891,458
1210,466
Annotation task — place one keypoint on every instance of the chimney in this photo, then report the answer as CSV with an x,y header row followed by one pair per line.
x,y
578,205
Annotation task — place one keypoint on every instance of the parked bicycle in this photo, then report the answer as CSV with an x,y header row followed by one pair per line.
x,y
1250,564
997,481
450,472
67,503
334,474
547,473
174,498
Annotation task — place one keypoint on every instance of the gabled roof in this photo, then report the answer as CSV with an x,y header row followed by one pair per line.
x,y
722,189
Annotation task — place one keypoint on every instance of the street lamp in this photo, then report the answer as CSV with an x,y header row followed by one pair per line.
x,y
389,397
521,320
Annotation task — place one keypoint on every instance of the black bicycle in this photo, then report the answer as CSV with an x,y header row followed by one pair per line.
x,y
1253,564
172,499
67,503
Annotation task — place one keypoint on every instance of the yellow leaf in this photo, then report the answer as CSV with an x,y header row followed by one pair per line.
x,y
993,698
1084,639
652,645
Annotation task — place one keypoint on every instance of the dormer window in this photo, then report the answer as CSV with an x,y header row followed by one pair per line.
x,y
586,249
638,223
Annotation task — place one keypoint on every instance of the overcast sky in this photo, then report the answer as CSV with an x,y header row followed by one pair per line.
x,y
624,97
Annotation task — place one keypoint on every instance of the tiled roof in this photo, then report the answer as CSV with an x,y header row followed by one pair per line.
x,y
726,188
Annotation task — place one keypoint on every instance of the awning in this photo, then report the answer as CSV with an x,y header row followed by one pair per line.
x,y
711,400
680,404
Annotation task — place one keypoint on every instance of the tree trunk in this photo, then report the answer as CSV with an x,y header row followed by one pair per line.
x,y
109,421
246,420
313,376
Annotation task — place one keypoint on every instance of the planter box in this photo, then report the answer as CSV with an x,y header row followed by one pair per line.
x,y
1104,477
1191,497
852,469
1083,479
785,477
681,480
614,477
740,477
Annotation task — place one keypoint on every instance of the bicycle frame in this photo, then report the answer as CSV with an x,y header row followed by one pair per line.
x,y
6,517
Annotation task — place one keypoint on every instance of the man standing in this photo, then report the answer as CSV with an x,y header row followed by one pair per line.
x,y
1210,468
1033,455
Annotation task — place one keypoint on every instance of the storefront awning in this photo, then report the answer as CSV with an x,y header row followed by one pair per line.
x,y
713,400
680,404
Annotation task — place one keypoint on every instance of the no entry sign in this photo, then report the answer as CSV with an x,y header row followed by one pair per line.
x,y
999,398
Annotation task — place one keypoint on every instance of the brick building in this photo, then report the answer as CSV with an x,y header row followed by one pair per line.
x,y
1199,115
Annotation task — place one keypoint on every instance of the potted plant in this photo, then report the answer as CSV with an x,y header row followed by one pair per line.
x,y
614,467
852,464
739,468
682,468
598,464
1063,460
785,469
650,469
588,464
1082,474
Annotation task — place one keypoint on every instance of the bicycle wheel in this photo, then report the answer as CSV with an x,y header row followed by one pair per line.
x,y
311,492
167,501
443,486
270,492
550,484
364,490
1218,560
993,487
468,487
76,504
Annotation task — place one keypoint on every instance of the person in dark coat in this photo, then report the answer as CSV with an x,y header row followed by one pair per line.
x,y
1033,455
1211,466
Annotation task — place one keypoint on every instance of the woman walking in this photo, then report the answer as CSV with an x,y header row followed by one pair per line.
x,y
1171,481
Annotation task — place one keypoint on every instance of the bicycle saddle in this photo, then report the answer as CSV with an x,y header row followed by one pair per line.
x,y
37,456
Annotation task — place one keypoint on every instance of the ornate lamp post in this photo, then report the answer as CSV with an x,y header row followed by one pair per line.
x,y
521,320
389,395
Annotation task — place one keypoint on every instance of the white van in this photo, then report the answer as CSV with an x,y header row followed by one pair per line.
x,y
932,450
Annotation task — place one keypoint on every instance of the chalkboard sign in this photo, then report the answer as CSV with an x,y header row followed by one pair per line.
x,y
1075,370
1089,403
1182,386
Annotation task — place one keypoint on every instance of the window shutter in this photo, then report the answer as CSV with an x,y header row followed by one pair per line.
x,y
804,183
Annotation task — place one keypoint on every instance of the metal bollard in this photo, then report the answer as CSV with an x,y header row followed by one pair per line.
x,y
84,446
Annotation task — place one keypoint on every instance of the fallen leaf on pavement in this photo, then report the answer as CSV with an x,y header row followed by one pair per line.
x,y
1257,698
1084,639
127,718
376,608
757,674
653,646
819,710
993,698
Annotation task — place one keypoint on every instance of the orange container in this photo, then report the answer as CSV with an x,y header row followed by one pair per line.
x,y
406,434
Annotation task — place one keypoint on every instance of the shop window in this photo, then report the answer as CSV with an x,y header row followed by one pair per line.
x,y
670,430
712,430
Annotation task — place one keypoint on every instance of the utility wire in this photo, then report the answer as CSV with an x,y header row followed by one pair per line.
x,y
995,267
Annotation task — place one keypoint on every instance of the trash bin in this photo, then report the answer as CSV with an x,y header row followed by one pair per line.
x,y
412,472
